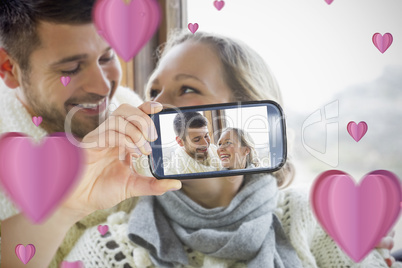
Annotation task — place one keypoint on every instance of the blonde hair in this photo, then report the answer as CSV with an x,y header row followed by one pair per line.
x,y
245,72
245,141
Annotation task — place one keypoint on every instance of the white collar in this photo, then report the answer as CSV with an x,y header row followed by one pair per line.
x,y
14,117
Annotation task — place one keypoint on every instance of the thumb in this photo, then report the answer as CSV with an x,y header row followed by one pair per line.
x,y
143,185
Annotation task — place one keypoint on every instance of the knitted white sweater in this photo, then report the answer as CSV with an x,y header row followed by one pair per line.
x,y
313,246
15,118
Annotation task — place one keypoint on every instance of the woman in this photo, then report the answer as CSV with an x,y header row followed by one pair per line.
x,y
236,150
237,221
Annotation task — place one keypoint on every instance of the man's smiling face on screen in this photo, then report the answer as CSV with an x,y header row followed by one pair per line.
x,y
197,142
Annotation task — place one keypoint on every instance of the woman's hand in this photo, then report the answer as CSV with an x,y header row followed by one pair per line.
x,y
386,244
108,178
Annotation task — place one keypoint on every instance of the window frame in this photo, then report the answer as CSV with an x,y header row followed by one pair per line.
x,y
136,72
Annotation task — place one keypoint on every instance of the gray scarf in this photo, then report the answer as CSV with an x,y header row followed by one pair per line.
x,y
247,230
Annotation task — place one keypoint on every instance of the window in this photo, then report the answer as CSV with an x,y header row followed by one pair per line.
x,y
137,71
330,73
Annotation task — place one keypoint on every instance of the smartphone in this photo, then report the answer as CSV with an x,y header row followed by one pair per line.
x,y
218,140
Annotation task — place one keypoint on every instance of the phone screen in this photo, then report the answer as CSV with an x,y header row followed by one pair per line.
x,y
218,140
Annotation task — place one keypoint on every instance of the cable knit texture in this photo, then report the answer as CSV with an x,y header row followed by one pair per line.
x,y
15,118
313,246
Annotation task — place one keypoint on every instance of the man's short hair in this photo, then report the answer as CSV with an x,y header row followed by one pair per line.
x,y
19,20
183,121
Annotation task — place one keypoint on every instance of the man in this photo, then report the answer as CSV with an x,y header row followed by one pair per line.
x,y
196,153
42,41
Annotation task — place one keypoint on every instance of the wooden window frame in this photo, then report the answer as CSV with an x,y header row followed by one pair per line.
x,y
137,71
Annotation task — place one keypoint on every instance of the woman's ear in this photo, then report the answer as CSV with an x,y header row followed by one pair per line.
x,y
248,151
8,70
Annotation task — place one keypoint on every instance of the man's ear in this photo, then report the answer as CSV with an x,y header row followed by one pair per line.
x,y
179,141
8,70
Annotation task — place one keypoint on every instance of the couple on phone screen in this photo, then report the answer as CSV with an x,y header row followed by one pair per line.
x,y
234,149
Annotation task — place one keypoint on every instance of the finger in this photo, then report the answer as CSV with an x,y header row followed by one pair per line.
x,y
143,185
387,242
390,261
117,131
151,107
126,146
129,158
133,137
138,118
121,143
132,115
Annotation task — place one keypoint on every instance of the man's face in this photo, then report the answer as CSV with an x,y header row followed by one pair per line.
x,y
79,53
197,143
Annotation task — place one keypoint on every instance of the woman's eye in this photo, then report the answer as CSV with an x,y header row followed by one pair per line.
x,y
72,72
153,93
186,90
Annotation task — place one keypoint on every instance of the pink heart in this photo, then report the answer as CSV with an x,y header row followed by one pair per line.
x,y
37,120
329,1
219,4
357,217
127,28
193,27
382,43
103,229
65,80
97,16
357,131
76,264
25,254
38,177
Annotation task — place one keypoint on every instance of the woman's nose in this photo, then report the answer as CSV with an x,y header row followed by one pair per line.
x,y
165,99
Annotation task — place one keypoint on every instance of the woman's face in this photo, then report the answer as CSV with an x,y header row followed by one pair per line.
x,y
230,151
189,74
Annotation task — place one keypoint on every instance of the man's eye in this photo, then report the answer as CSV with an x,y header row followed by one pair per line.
x,y
72,72
196,140
107,59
